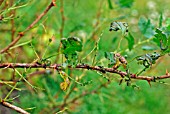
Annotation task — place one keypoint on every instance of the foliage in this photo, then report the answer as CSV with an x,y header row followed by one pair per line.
x,y
85,57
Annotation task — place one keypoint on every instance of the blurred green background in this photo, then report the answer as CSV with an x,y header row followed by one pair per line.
x,y
86,20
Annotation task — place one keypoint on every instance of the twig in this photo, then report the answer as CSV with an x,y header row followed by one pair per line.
x,y
18,109
84,66
21,34
98,20
62,18
12,22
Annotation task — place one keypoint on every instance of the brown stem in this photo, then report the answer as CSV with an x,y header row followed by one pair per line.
x,y
21,34
84,66
1,1
18,109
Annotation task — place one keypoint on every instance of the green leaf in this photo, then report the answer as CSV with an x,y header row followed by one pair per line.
x,y
70,47
110,4
160,35
125,3
146,27
115,26
130,40
161,38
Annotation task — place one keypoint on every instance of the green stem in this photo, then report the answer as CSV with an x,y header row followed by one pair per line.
x,y
138,44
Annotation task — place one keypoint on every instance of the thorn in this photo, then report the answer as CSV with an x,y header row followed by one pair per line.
x,y
54,2
167,73
21,34
149,82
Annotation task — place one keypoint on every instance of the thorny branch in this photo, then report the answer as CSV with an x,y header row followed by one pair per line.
x,y
21,34
84,66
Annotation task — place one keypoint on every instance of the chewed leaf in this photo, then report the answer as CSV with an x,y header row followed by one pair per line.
x,y
130,40
148,59
70,47
76,43
115,26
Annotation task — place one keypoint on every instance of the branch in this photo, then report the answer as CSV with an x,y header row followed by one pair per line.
x,y
62,18
21,34
84,66
18,109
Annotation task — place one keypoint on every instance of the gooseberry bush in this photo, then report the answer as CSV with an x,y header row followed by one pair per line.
x,y
65,56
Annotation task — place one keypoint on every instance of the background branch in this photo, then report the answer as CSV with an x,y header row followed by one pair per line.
x,y
18,109
21,34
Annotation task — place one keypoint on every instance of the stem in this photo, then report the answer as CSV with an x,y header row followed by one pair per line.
x,y
138,44
83,66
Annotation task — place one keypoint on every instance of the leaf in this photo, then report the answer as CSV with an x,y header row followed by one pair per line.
x,y
160,35
146,27
125,3
148,59
115,26
70,47
63,86
110,4
130,40
163,41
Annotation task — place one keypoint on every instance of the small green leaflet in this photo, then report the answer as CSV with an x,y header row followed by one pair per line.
x,y
146,27
115,26
130,40
125,3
